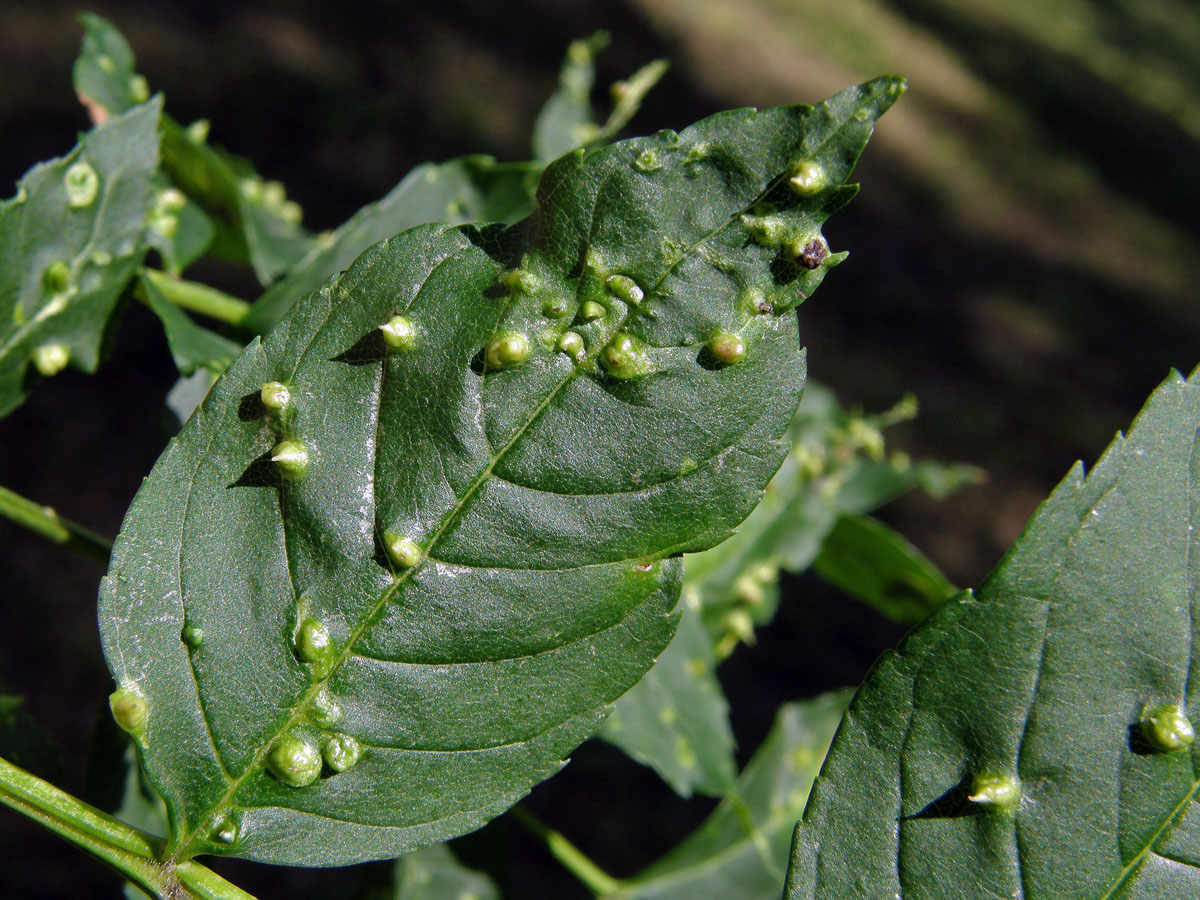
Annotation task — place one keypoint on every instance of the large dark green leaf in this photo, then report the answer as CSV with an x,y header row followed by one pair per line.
x,y
741,850
69,243
533,494
1040,683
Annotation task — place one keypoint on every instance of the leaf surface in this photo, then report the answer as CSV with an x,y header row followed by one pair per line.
x,y
70,241
480,551
875,564
740,852
1043,677
192,346
469,189
676,719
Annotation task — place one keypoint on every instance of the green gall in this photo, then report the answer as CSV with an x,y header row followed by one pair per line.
x,y
520,281
101,258
508,349
252,189
996,792
625,288
749,590
291,212
295,761
226,831
808,178
274,194
291,458
198,130
164,225
726,347
325,712
82,185
275,396
129,710
314,645
57,276
139,89
554,309
171,200
399,333
570,343
770,231
591,310
193,636
401,550
50,359
626,357
341,752
106,64
647,161
1166,728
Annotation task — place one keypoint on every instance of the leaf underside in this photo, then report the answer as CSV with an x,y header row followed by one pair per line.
x,y
65,258
550,499
1043,675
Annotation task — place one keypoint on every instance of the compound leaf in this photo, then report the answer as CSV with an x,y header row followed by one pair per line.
x,y
70,241
1030,740
741,850
440,548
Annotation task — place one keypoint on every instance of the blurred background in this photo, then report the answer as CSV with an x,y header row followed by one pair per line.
x,y
1023,258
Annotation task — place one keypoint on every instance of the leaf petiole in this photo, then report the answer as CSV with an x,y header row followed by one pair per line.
x,y
571,857
49,524
199,298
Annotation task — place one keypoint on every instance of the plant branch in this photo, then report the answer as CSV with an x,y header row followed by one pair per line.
x,y
571,857
199,298
45,521
130,852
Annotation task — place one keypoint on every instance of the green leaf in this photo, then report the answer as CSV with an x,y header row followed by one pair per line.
x,y
836,466
435,874
178,229
872,563
567,121
70,241
255,221
469,189
25,743
741,850
461,551
192,346
676,718
1043,677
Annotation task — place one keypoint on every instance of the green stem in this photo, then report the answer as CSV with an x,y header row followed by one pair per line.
x,y
199,298
572,858
45,521
130,852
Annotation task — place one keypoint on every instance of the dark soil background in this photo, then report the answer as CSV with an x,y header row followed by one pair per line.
x,y
1023,258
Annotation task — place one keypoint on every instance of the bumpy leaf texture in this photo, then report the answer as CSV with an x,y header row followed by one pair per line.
x,y
372,613
1040,684
70,241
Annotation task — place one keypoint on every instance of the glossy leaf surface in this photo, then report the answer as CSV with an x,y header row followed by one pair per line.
x,y
469,545
740,852
70,241
1041,679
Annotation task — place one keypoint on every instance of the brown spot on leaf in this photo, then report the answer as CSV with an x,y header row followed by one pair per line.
x,y
813,254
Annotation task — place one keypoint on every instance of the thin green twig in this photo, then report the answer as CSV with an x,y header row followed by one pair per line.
x,y
199,298
571,857
132,853
45,521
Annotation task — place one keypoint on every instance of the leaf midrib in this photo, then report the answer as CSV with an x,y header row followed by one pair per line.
x,y
184,847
